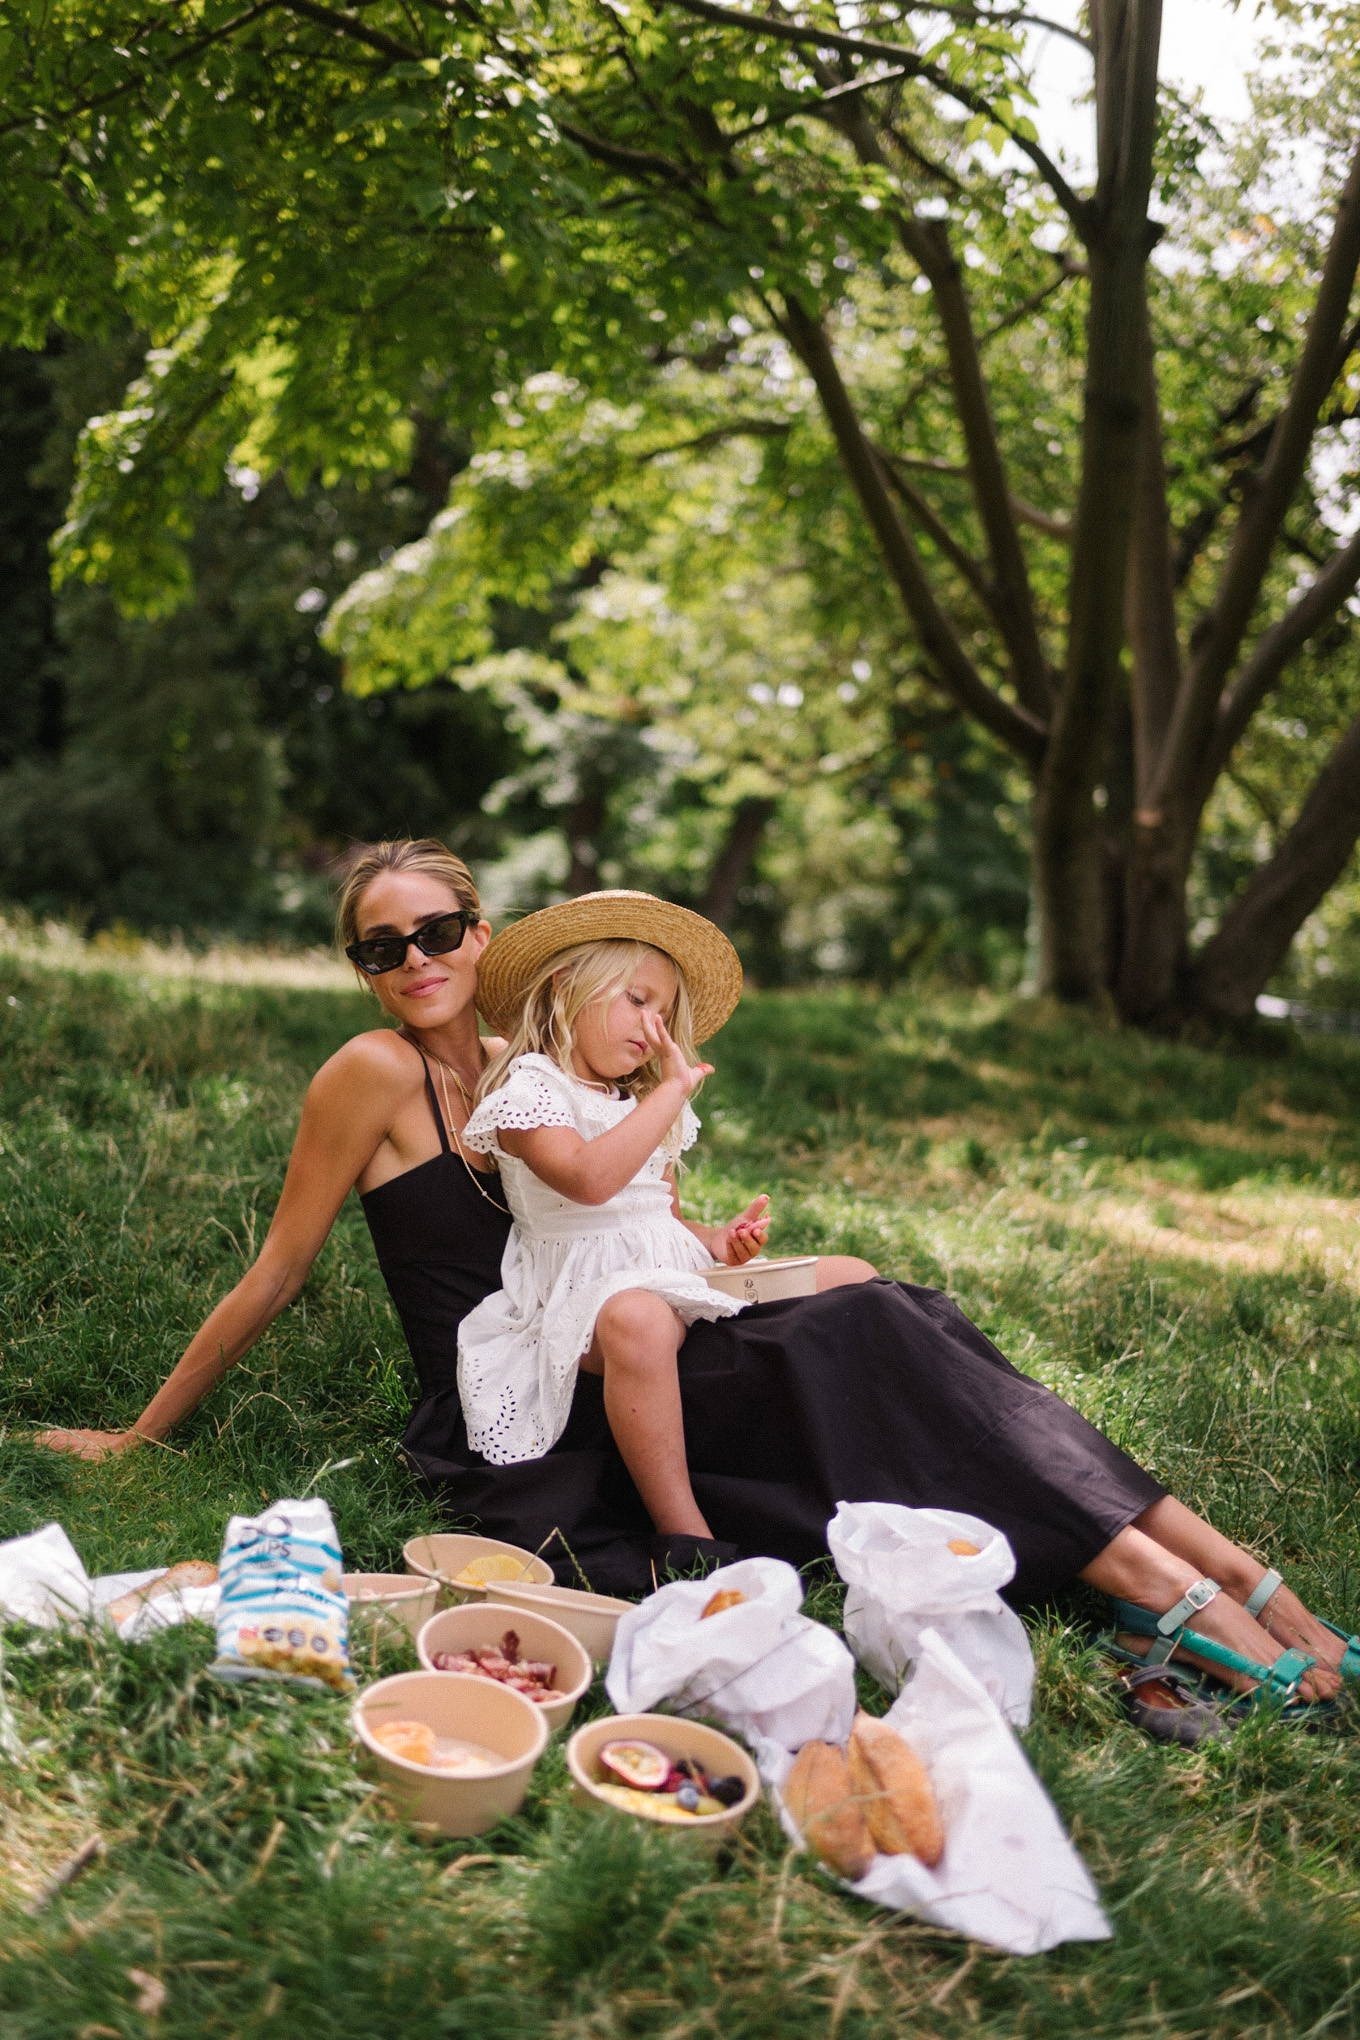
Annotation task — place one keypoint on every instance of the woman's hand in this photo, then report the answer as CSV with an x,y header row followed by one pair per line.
x,y
741,1239
674,1068
90,1444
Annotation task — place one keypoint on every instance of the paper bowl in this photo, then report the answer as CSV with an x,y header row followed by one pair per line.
x,y
474,1710
443,1555
718,1754
591,1618
761,1281
391,1600
480,1622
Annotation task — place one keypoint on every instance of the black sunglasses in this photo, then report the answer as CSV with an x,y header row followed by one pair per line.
x,y
382,953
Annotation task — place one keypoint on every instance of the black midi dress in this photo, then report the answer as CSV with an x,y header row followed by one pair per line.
x,y
882,1391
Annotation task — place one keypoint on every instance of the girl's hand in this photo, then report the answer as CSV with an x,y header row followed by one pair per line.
x,y
674,1068
743,1238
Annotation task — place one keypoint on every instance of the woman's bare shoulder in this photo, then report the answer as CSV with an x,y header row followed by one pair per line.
x,y
378,1060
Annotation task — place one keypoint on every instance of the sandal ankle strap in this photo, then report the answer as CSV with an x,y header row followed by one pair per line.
x,y
1261,1592
1196,1597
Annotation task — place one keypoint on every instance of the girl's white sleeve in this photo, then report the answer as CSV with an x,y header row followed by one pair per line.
x,y
690,1123
535,1093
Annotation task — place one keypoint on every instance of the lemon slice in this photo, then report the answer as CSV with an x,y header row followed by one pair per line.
x,y
496,1565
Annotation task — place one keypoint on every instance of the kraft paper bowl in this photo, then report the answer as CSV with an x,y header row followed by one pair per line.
x,y
442,1556
473,1710
482,1622
718,1754
761,1281
395,1601
591,1618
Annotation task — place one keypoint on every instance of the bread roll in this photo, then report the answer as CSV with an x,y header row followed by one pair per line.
x,y
190,1572
726,1597
821,1798
895,1792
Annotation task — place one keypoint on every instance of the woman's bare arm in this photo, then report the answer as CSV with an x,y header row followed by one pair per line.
x,y
350,1106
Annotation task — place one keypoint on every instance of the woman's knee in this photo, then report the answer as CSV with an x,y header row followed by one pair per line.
x,y
837,1271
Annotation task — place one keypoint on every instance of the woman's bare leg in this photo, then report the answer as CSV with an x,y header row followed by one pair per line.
x,y
1139,1568
637,1338
1170,1524
836,1271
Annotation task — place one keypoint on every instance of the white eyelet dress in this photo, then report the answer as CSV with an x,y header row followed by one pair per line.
x,y
520,1349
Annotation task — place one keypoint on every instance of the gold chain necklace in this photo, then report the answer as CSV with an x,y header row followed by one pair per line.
x,y
445,1069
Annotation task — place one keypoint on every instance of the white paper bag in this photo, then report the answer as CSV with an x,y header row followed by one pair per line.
x,y
1009,1875
761,1668
902,1578
43,1581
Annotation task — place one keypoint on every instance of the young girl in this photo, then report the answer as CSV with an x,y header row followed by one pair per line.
x,y
587,1108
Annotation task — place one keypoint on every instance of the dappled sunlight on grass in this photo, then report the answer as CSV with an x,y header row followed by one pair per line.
x,y
1165,1234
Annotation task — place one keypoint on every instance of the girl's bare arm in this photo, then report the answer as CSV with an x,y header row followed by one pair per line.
x,y
350,1106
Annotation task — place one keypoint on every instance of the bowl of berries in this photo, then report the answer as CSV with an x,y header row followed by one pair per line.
x,y
524,1652
660,1767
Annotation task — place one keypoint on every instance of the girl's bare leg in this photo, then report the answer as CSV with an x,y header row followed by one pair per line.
x,y
1137,1567
1284,1616
637,1338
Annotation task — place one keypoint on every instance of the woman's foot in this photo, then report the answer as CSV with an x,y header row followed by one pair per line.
x,y
1133,1567
1285,1618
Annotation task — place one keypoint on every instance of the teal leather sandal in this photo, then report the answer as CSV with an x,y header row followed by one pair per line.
x,y
1349,1666
1276,1685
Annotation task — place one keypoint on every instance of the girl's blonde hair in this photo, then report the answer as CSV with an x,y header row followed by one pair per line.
x,y
422,855
588,974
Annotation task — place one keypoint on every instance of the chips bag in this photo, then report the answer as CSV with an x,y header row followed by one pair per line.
x,y
283,1612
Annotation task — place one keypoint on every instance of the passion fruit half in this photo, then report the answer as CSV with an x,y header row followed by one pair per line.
x,y
639,1764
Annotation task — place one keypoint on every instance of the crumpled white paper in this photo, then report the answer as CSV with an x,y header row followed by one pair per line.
x,y
1009,1875
761,1668
902,1578
43,1581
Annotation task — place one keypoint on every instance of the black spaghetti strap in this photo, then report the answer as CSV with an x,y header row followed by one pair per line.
x,y
434,1104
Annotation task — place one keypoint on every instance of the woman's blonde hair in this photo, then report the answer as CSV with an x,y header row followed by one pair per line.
x,y
588,974
422,855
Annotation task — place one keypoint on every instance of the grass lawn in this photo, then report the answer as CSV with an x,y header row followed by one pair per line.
x,y
1165,1234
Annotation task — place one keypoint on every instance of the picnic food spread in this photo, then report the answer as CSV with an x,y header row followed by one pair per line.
x,y
501,1661
417,1742
874,1797
661,1787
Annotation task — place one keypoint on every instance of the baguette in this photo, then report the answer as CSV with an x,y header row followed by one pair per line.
x,y
820,1797
895,1791
190,1572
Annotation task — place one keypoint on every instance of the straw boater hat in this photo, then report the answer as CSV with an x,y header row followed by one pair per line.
x,y
511,959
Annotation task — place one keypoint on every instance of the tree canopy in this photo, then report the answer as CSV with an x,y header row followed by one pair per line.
x,y
780,348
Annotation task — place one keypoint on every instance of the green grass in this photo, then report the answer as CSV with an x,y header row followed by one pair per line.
x,y
1166,1234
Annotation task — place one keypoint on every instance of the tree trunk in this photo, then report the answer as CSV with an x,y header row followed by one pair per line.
x,y
584,823
1068,847
734,859
1263,920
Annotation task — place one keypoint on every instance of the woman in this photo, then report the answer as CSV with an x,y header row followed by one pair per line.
x,y
878,1391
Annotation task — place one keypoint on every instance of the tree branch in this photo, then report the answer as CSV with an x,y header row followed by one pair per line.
x,y
1277,899
1151,600
357,31
931,523
634,162
1220,632
1067,269
1273,651
928,244
913,66
741,428
955,672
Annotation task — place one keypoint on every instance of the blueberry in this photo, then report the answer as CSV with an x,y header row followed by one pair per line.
x,y
727,1791
688,1797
